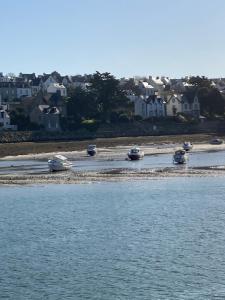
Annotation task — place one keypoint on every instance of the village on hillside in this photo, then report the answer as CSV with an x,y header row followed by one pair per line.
x,y
53,102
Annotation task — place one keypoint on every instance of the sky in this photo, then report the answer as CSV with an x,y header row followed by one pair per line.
x,y
124,37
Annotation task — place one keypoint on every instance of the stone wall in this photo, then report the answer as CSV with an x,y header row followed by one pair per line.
x,y
118,130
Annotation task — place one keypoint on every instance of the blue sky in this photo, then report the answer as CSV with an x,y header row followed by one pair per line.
x,y
125,37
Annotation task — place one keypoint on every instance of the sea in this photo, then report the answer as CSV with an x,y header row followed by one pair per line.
x,y
146,239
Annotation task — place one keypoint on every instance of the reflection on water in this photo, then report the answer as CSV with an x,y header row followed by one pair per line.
x,y
158,239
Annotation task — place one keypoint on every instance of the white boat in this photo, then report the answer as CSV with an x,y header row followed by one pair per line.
x,y
135,153
91,150
59,163
187,146
180,157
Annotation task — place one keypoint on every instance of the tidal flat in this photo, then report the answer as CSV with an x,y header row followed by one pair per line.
x,y
111,164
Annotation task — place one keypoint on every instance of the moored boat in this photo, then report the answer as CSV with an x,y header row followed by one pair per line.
x,y
216,141
59,163
91,150
135,153
187,146
180,157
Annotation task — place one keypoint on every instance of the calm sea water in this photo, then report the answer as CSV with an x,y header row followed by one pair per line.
x,y
156,239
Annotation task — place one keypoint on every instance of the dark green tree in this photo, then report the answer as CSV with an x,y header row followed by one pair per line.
x,y
107,94
200,82
211,100
130,86
80,105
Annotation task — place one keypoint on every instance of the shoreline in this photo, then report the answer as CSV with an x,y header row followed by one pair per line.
x,y
38,150
112,149
108,149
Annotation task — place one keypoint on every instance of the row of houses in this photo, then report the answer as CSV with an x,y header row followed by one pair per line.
x,y
13,89
42,97
153,102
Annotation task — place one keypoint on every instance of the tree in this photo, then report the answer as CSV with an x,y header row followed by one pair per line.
x,y
211,101
130,85
23,122
210,98
200,82
107,94
80,105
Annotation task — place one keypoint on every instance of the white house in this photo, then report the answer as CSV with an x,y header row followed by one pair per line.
x,y
151,106
23,91
182,103
55,87
157,83
146,89
5,118
173,105
49,81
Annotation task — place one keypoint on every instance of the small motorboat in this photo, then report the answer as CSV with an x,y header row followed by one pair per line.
x,y
187,146
216,141
92,150
180,157
135,153
59,163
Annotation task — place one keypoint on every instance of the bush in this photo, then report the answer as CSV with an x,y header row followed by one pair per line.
x,y
137,118
124,118
90,124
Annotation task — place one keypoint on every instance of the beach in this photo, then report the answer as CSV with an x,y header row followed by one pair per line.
x,y
112,150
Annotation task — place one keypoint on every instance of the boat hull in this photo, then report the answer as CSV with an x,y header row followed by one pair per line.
x,y
180,160
135,156
55,167
91,152
187,147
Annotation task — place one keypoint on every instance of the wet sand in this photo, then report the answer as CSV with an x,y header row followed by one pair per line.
x,y
118,151
70,177
39,149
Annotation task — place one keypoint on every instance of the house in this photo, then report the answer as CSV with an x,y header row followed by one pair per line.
x,y
156,83
46,116
190,105
186,103
150,106
146,89
47,80
35,86
53,88
173,105
23,90
67,81
8,91
5,118
50,85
